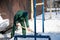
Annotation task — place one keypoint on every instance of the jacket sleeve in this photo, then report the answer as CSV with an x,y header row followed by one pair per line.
x,y
26,20
16,19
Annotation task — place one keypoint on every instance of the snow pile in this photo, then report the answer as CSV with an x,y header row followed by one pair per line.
x,y
4,23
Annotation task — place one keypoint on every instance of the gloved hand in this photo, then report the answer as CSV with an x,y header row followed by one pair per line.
x,y
18,24
29,29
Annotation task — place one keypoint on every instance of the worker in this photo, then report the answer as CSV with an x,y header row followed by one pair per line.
x,y
20,17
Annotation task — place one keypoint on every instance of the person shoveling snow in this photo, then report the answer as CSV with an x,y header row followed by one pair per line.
x,y
20,17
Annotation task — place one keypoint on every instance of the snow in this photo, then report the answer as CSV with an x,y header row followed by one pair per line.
x,y
48,26
51,27
4,23
53,9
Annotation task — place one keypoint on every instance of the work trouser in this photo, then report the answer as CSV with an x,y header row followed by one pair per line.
x,y
14,28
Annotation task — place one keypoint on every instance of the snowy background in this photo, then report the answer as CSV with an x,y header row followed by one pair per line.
x,y
51,27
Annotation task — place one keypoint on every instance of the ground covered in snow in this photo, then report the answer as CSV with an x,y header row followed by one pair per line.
x,y
51,27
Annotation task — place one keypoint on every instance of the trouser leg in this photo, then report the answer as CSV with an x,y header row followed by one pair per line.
x,y
13,30
23,30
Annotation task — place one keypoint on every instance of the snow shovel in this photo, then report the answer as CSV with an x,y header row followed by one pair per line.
x,y
27,29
